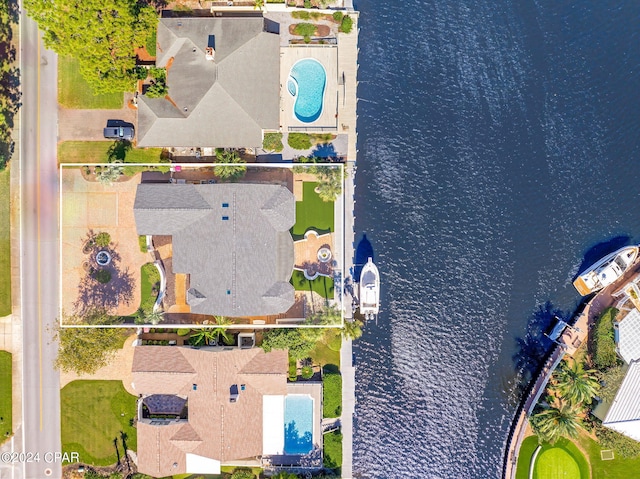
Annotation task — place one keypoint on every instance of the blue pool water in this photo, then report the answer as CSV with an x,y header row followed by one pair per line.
x,y
298,424
307,80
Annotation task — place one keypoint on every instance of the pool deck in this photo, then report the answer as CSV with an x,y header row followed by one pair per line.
x,y
327,55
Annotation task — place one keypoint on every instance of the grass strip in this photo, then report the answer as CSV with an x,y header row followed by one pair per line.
x,y
6,406
5,244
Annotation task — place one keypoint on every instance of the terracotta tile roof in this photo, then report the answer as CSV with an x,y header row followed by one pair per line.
x,y
216,428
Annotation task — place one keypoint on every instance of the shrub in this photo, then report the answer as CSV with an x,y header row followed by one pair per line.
x,y
307,372
346,25
304,29
183,331
604,345
300,15
157,89
331,391
102,276
299,141
103,239
142,242
272,142
622,445
337,16
316,15
243,474
307,3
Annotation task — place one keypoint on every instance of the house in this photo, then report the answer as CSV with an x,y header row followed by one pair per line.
x,y
233,241
624,414
200,408
223,78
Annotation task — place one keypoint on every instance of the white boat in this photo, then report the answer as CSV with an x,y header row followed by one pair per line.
x,y
606,271
369,290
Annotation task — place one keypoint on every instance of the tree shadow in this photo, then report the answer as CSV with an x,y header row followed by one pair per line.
x,y
600,250
534,347
297,443
117,152
324,150
94,295
115,445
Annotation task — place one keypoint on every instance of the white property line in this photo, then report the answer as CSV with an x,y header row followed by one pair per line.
x,y
196,166
533,460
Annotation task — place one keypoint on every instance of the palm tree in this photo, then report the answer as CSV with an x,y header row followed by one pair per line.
x,y
575,384
222,330
109,174
352,329
203,336
555,422
233,168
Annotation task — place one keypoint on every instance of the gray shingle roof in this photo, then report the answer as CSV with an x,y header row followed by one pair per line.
x,y
222,103
238,266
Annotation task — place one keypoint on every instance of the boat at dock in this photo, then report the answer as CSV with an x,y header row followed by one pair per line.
x,y
606,271
369,290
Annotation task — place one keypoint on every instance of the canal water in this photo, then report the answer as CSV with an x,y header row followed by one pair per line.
x,y
498,144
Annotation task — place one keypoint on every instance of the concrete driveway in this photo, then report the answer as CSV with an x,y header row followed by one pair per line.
x,y
87,125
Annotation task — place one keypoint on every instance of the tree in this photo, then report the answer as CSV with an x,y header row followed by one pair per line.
x,y
109,174
149,317
203,336
103,239
223,329
232,168
298,341
576,385
555,422
85,350
329,315
100,34
352,329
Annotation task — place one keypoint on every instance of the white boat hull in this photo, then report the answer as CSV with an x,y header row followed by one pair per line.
x,y
606,271
369,290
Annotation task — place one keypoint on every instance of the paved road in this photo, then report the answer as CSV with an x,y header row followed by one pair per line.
x,y
40,252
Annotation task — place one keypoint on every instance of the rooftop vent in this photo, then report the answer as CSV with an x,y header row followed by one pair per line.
x,y
233,393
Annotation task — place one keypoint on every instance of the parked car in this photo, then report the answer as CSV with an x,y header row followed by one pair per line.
x,y
119,132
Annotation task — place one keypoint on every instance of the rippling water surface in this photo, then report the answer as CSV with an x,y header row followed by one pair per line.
x,y
498,142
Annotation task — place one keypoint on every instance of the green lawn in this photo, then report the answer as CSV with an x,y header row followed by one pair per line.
x,y
617,468
312,212
333,450
327,351
563,460
75,92
5,245
321,285
149,276
556,463
5,396
93,415
331,391
527,449
97,152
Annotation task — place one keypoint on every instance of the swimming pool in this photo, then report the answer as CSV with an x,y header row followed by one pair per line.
x,y
306,83
298,424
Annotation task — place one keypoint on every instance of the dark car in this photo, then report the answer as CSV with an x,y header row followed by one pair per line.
x,y
119,132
